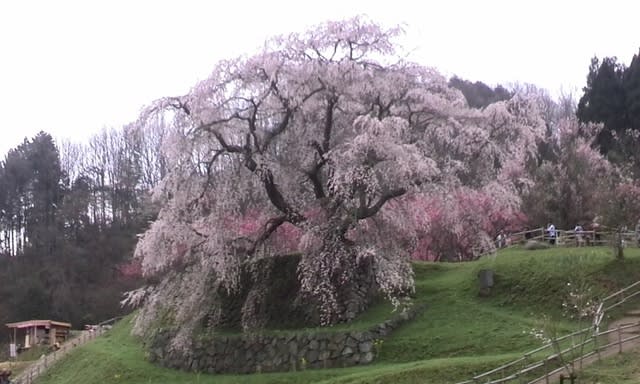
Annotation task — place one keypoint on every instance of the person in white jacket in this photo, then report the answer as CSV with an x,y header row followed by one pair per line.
x,y
551,230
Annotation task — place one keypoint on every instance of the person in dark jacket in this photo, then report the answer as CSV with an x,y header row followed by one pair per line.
x,y
4,376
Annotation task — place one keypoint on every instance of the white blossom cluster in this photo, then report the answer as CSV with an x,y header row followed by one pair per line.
x,y
320,131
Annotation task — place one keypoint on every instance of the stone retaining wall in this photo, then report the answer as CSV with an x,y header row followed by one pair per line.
x,y
271,353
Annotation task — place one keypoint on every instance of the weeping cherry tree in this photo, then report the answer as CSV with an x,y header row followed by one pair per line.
x,y
319,132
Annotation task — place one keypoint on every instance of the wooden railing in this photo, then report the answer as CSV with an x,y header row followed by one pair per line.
x,y
618,298
538,365
46,361
572,238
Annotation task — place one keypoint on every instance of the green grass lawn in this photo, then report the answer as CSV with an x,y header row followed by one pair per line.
x,y
459,334
622,369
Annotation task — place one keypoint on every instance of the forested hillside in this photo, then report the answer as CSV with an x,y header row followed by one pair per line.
x,y
69,218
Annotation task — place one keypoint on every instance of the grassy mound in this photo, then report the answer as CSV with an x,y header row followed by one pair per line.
x,y
458,335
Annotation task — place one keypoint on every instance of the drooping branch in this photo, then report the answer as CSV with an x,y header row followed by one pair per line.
x,y
266,176
208,168
368,211
252,123
269,227
226,146
276,197
314,177
273,192
314,173
272,134
178,104
328,123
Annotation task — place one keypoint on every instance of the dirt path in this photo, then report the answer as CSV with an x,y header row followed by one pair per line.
x,y
631,317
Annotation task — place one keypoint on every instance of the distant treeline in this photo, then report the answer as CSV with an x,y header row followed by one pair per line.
x,y
69,216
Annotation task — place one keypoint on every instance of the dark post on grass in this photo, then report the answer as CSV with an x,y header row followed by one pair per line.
x,y
485,276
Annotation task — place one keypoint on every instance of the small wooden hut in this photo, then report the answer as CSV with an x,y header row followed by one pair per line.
x,y
38,332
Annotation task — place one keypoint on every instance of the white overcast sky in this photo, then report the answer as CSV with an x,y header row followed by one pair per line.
x,y
71,68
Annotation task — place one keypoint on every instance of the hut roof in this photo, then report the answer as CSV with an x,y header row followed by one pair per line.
x,y
38,323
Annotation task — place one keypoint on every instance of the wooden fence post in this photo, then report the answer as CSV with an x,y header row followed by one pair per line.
x,y
546,371
619,340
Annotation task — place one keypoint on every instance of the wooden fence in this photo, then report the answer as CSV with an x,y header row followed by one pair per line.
x,y
46,361
572,238
539,365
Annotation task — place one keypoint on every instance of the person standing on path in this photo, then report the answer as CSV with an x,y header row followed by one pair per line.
x,y
551,230
578,233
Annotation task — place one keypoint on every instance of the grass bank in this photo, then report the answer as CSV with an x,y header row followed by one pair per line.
x,y
459,334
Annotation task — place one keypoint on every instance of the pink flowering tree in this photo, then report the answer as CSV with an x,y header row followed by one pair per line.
x,y
313,139
620,212
622,207
462,224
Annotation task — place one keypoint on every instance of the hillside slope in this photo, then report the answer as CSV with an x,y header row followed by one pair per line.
x,y
460,333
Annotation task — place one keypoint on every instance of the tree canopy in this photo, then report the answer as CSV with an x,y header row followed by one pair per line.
x,y
612,97
319,133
